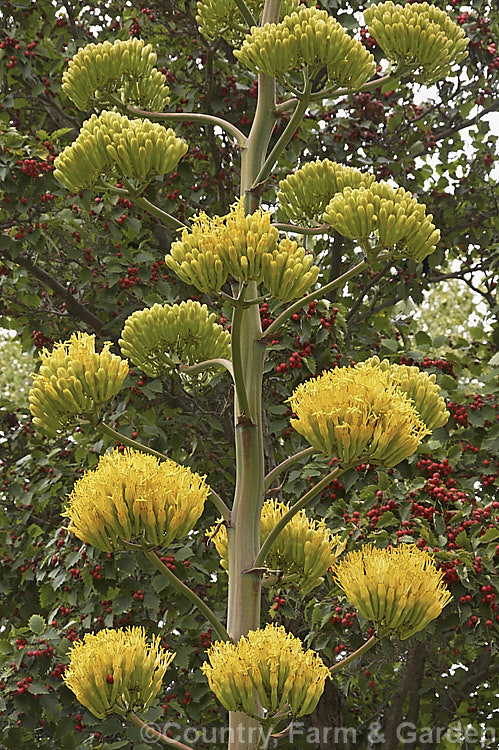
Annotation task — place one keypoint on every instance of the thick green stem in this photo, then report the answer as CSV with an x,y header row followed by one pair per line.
x,y
284,139
148,733
301,503
283,317
188,593
362,650
243,532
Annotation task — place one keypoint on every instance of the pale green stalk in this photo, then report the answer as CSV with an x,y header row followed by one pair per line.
x,y
243,532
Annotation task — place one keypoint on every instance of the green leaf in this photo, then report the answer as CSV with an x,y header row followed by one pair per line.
x,y
37,624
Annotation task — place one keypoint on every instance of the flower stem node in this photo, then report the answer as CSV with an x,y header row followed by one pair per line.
x,y
399,588
73,383
418,37
242,247
267,665
110,145
304,195
223,18
420,387
116,671
157,338
302,553
312,39
132,495
358,414
390,216
123,69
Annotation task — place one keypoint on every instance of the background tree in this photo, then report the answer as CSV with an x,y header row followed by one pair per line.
x,y
88,261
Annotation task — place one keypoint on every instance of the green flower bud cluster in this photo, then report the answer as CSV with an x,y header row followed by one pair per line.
x,y
312,38
268,666
302,553
114,146
245,248
304,195
398,220
123,68
418,35
420,387
74,381
223,18
159,337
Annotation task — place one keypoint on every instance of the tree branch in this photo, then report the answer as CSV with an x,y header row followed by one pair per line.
x,y
74,307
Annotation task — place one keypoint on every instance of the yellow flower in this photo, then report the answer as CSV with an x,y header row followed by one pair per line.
x,y
420,387
134,495
399,588
242,247
116,671
357,414
268,664
157,337
74,381
302,553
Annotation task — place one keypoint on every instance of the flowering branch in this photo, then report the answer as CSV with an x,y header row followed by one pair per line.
x,y
184,116
154,210
153,557
245,12
201,366
111,432
319,229
150,732
286,464
301,503
355,655
322,291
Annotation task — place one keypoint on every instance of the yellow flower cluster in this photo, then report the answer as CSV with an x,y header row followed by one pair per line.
x,y
302,553
357,414
418,36
304,195
271,664
223,18
397,220
399,588
158,337
308,38
420,387
110,145
242,247
123,68
132,495
116,671
73,382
